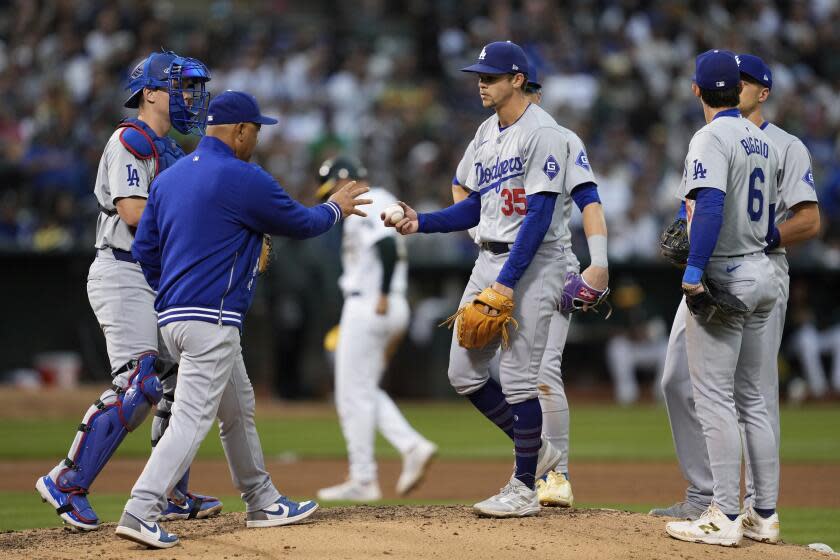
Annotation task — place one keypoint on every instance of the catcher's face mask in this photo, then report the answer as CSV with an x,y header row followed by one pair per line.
x,y
188,97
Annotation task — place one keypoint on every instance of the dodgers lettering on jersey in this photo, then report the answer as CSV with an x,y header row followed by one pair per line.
x,y
796,182
532,155
733,155
362,269
120,175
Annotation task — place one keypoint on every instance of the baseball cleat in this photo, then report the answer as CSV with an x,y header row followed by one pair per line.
x,y
759,528
514,500
713,527
555,490
147,533
415,464
195,506
73,507
548,459
680,510
282,512
351,491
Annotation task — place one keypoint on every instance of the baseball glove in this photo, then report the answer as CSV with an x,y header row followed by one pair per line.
x,y
714,302
674,243
483,319
265,254
580,296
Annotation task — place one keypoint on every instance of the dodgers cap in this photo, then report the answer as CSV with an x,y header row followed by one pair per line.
x,y
717,70
232,107
755,68
501,57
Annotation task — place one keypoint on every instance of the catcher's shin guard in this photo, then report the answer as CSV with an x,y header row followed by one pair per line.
x,y
106,423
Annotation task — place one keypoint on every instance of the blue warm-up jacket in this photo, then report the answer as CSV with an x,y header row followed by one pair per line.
x,y
199,238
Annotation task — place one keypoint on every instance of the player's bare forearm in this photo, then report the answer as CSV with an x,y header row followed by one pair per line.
x,y
130,209
459,193
594,222
595,227
804,224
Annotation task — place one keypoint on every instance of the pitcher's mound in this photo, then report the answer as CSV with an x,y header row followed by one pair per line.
x,y
364,532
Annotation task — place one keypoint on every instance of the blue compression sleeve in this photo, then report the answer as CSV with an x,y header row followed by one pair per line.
x,y
705,228
531,234
681,212
585,194
774,236
457,217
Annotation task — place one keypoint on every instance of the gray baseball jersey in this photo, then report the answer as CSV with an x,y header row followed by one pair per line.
x,y
733,155
532,155
362,267
120,175
796,180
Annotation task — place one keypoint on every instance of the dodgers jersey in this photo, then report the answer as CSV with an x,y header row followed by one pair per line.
x,y
733,155
530,156
362,269
120,175
796,181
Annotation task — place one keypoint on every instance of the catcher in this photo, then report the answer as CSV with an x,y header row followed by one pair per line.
x,y
524,166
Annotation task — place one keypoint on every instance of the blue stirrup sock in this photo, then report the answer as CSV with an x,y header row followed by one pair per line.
x,y
527,430
490,401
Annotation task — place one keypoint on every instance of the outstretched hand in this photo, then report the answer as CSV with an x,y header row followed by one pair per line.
x,y
347,199
408,225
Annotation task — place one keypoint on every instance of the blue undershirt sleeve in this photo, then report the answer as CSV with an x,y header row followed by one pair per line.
x,y
531,233
774,237
681,215
457,217
585,194
705,228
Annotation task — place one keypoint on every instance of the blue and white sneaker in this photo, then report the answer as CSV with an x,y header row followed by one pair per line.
x,y
73,507
282,512
147,533
195,506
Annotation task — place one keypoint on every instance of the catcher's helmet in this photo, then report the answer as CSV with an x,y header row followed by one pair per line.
x,y
169,71
340,167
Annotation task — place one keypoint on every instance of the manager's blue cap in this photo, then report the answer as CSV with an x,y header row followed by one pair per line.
x,y
233,107
755,68
501,57
716,70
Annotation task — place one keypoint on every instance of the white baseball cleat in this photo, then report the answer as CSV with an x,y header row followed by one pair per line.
x,y
415,464
351,491
514,500
555,491
713,527
147,533
761,529
548,459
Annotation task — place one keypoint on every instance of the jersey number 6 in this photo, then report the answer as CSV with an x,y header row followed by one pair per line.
x,y
515,201
755,195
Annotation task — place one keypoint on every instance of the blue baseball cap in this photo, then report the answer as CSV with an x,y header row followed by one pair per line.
x,y
501,57
233,107
717,70
756,69
533,84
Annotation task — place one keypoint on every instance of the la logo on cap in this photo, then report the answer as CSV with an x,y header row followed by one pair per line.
x,y
483,53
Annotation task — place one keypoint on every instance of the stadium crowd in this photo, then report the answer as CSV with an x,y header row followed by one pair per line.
x,y
382,80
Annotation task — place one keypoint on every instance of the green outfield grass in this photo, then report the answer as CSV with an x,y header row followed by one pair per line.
x,y
24,510
598,432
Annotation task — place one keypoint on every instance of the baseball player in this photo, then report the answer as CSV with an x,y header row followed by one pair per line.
x,y
373,319
168,91
553,489
523,169
730,188
199,244
797,219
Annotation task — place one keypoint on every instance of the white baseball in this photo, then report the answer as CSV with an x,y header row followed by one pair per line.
x,y
393,214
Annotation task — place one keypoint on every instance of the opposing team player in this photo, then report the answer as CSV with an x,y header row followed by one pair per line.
x,y
373,319
555,489
797,220
169,92
730,188
523,169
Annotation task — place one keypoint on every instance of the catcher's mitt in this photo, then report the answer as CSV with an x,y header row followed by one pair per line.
x,y
674,243
580,296
714,302
265,254
483,319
